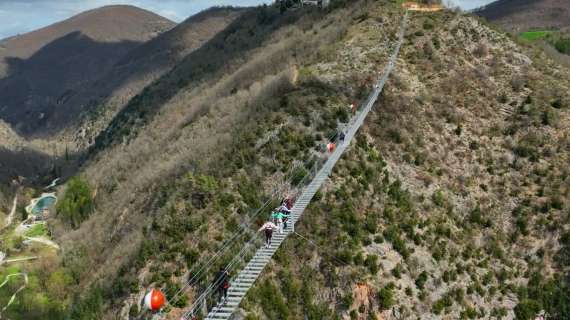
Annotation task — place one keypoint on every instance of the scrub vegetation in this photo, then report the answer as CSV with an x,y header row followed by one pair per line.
x,y
451,202
76,204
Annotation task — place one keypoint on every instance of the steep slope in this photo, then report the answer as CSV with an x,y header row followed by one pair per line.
x,y
22,158
523,15
453,202
106,96
89,107
197,140
39,70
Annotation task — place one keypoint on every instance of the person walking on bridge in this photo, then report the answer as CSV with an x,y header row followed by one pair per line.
x,y
268,228
285,213
286,217
284,209
222,281
288,202
279,218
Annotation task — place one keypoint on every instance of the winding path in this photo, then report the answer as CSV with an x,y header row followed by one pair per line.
x,y
45,241
12,212
13,297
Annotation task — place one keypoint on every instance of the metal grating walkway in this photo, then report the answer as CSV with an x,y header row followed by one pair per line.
x,y
246,278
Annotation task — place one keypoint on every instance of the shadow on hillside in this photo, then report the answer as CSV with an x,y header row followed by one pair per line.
x,y
38,168
223,53
497,10
142,65
35,87
25,163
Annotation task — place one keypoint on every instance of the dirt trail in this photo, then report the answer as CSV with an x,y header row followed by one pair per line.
x,y
12,212
17,291
45,241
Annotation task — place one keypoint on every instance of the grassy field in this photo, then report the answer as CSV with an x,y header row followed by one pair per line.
x,y
556,39
534,35
37,230
4,272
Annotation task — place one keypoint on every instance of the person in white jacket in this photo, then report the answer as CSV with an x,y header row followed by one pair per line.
x,y
268,227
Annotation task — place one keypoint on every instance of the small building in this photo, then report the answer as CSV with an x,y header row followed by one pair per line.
x,y
414,6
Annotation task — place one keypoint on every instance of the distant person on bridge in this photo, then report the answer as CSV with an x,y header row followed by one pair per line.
x,y
223,282
268,228
341,136
284,209
353,108
285,220
279,219
288,202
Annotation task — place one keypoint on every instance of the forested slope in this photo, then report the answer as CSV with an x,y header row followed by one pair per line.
x,y
452,203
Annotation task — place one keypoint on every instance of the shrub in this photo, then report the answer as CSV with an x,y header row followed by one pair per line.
x,y
427,25
438,198
557,103
469,313
89,306
527,309
439,305
397,271
421,280
386,297
298,176
563,46
76,204
395,136
476,217
372,263
552,296
271,300
550,118
392,234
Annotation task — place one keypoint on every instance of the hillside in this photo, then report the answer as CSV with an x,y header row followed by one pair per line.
x,y
452,203
40,69
102,99
522,15
89,107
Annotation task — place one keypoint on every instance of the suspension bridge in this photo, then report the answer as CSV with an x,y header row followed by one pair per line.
x,y
247,276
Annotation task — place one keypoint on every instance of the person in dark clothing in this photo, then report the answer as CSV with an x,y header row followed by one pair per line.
x,y
289,203
285,220
223,282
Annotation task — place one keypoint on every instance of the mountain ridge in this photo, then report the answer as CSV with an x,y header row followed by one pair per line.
x,y
39,69
451,203
524,15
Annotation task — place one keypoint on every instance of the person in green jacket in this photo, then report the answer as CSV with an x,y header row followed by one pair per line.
x,y
278,218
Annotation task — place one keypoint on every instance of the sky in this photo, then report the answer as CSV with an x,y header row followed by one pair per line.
x,y
21,16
